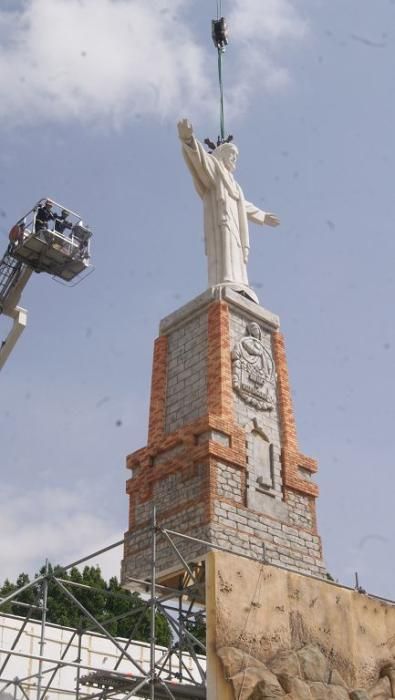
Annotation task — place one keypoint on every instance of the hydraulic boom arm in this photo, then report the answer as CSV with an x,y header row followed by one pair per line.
x,y
13,279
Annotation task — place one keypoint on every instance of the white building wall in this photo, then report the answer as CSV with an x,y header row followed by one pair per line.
x,y
97,651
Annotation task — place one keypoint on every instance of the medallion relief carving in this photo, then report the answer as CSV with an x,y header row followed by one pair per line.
x,y
253,370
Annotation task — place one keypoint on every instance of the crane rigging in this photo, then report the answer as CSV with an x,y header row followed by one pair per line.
x,y
49,238
220,36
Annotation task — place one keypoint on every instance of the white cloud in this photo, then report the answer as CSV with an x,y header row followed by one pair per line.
x,y
111,59
268,21
260,32
53,523
89,58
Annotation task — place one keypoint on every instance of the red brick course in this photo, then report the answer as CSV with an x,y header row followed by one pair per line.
x,y
291,458
146,474
288,425
157,411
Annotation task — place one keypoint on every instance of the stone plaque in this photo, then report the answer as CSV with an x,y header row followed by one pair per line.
x,y
253,370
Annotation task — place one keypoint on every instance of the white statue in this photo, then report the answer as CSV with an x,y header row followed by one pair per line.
x,y
225,210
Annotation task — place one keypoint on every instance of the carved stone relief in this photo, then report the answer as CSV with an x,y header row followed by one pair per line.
x,y
253,370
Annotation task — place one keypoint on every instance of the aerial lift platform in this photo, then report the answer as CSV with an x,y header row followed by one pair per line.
x,y
49,238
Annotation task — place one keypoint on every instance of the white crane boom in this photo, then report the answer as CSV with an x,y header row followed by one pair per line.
x,y
13,278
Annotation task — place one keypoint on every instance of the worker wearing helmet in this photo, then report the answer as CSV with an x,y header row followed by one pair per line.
x,y
44,216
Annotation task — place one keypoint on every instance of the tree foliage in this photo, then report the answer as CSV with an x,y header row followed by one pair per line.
x,y
122,613
197,627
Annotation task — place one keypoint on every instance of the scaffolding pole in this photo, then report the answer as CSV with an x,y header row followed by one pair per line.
x,y
153,603
157,682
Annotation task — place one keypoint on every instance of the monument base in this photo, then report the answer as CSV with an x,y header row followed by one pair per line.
x,y
220,291
222,462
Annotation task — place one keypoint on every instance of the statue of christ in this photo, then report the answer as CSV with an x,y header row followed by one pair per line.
x,y
226,211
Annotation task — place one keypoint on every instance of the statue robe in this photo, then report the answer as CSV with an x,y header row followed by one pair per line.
x,y
225,216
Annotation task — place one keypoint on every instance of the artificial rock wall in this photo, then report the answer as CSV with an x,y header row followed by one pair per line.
x,y
222,461
277,634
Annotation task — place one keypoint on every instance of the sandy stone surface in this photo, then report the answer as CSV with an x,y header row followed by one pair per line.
x,y
317,640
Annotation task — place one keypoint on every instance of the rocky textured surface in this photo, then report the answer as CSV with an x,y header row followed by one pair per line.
x,y
266,612
303,674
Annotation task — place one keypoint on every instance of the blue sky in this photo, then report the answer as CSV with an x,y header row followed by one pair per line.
x,y
91,93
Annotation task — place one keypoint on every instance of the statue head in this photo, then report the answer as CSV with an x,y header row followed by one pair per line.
x,y
254,330
227,154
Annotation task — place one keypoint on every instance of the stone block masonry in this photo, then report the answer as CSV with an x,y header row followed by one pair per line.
x,y
186,386
222,462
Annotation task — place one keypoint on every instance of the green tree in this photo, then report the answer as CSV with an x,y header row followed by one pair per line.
x,y
197,627
29,597
110,604
5,591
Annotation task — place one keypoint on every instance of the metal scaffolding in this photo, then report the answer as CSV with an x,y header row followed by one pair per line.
x,y
169,674
167,671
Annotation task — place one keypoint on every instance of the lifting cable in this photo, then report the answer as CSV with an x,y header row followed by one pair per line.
x,y
219,33
221,91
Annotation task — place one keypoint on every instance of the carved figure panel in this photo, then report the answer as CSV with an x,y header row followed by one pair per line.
x,y
253,370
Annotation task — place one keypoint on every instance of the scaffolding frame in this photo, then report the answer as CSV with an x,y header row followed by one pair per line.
x,y
179,606
165,678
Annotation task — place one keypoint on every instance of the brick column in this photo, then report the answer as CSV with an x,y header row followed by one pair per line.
x,y
219,371
288,424
297,468
157,411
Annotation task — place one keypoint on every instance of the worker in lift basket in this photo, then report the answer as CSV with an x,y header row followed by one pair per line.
x,y
16,235
44,216
61,222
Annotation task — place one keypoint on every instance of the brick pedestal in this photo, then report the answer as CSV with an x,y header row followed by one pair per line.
x,y
222,462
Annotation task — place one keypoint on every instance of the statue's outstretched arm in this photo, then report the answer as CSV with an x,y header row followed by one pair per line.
x,y
200,163
185,132
260,217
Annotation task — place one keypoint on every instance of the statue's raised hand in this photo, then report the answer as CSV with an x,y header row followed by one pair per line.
x,y
271,219
185,130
